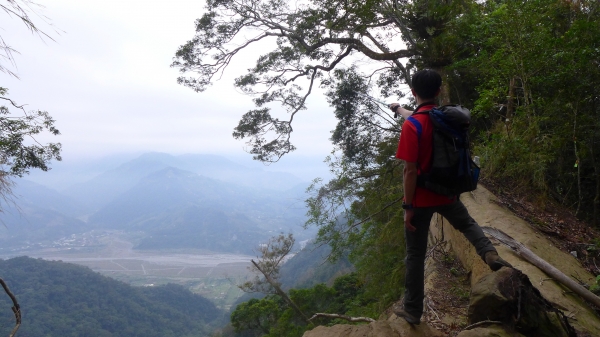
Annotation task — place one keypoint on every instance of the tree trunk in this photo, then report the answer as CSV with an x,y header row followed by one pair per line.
x,y
596,202
577,163
596,220
444,96
510,105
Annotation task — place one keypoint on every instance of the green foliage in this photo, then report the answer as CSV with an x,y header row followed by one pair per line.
x,y
257,316
460,292
536,65
595,288
272,317
61,299
19,151
358,211
522,157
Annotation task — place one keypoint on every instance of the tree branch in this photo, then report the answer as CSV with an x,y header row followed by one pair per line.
x,y
348,318
472,326
15,308
374,214
356,44
280,292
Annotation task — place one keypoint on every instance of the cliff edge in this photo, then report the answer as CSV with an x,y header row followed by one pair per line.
x,y
486,210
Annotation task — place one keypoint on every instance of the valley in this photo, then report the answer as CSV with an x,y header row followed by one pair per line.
x,y
192,220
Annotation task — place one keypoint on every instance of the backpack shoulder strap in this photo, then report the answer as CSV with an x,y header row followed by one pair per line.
x,y
415,122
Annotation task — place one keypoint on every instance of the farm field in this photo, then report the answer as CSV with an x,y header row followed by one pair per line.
x,y
212,275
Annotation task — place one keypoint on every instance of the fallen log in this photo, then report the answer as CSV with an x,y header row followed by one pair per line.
x,y
547,268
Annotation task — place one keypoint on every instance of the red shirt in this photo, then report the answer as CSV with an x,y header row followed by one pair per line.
x,y
415,146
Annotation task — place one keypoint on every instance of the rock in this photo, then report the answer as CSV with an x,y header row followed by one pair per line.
x,y
393,327
509,297
492,331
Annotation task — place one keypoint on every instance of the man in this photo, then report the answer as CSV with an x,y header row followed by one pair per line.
x,y
415,148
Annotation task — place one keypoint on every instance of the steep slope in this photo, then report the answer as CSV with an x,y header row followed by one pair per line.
x,y
37,215
29,193
310,267
485,209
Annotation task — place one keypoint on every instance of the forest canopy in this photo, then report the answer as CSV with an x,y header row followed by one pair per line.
x,y
63,299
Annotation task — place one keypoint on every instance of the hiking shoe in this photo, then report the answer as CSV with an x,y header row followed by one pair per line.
x,y
495,262
399,311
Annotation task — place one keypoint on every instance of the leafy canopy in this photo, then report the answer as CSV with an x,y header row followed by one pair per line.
x,y
19,150
308,40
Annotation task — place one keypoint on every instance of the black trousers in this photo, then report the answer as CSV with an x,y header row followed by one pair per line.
x,y
416,248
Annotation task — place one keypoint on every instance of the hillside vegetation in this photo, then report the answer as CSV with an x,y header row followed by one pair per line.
x,y
62,299
528,70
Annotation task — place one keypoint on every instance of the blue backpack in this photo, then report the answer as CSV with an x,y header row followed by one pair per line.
x,y
452,171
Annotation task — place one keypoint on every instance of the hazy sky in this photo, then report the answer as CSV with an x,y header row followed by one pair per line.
x,y
106,80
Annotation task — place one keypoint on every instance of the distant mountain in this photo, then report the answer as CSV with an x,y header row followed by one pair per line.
x,y
203,228
219,168
74,170
36,225
187,201
28,193
62,299
181,209
173,189
100,190
37,214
